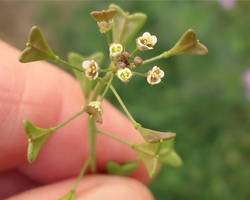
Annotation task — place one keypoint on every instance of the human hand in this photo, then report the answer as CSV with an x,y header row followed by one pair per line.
x,y
47,96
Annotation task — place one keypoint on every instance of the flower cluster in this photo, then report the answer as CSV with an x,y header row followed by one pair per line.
x,y
121,61
158,147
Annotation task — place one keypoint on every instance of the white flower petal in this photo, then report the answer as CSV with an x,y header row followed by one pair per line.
x,y
149,78
154,39
139,41
96,75
154,68
146,35
124,74
115,49
162,74
86,64
96,66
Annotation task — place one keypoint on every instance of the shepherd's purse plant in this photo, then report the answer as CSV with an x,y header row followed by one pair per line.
x,y
96,81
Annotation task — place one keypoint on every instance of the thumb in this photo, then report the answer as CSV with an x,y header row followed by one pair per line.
x,y
92,188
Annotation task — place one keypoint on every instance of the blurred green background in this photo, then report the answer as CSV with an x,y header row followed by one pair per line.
x,y
202,98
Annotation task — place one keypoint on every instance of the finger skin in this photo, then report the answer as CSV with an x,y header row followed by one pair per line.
x,y
13,182
94,187
47,96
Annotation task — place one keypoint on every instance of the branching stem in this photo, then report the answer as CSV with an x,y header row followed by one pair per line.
x,y
82,172
70,119
140,74
107,88
67,64
115,138
133,52
123,105
165,54
92,143
100,85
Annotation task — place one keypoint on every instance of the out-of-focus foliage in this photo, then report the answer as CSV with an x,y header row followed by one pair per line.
x,y
202,98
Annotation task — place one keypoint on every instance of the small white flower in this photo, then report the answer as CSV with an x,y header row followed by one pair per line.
x,y
155,75
124,74
115,49
146,41
91,69
94,109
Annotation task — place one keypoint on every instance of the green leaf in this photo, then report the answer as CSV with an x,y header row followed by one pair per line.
x,y
153,136
122,170
37,138
69,196
76,60
168,155
147,152
36,48
189,45
125,25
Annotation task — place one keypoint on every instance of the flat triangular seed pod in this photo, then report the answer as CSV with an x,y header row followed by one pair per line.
x,y
171,158
103,15
147,153
189,45
122,169
37,138
168,155
153,136
126,26
36,48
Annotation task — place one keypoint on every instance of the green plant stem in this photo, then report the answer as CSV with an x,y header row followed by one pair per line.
x,y
165,54
123,105
108,38
100,85
107,88
92,143
53,129
133,52
59,60
115,138
82,172
69,120
106,70
140,74
92,124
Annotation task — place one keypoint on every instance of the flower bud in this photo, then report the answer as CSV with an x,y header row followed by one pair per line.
x,y
94,109
138,61
125,55
120,64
